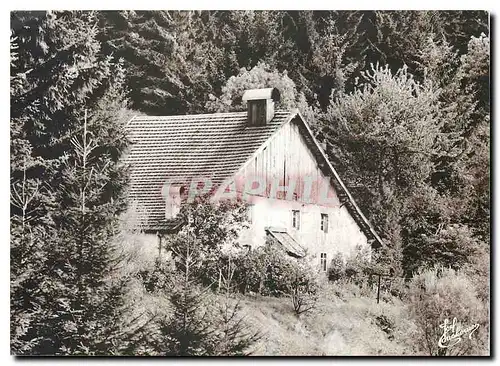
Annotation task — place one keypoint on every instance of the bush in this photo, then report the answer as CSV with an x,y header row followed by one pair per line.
x,y
156,279
357,266
439,294
251,270
478,270
337,268
269,270
397,287
280,273
261,270
212,272
303,287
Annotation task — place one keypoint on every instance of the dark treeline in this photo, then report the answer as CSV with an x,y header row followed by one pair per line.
x,y
401,99
176,60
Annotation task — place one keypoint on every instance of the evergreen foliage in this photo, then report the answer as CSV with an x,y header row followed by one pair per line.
x,y
198,326
402,100
68,187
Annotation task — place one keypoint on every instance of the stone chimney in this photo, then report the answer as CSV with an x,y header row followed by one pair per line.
x,y
260,105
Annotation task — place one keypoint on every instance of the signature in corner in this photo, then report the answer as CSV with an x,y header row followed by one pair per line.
x,y
453,332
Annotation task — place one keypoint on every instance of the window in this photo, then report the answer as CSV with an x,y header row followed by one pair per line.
x,y
324,223
296,219
323,262
250,214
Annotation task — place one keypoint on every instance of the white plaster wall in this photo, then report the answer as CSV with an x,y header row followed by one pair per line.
x,y
343,233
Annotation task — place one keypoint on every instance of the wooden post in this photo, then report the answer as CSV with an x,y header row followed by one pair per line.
x,y
159,245
378,290
220,279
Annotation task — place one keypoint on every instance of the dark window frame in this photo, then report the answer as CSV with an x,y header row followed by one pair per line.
x,y
296,219
324,222
323,263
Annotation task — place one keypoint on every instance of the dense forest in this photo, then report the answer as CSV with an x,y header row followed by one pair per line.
x,y
401,99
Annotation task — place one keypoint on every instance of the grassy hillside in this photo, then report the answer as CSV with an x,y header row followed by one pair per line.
x,y
345,322
342,324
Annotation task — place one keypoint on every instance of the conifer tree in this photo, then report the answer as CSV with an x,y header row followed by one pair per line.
x,y
172,63
88,296
188,331
234,337
64,211
199,324
30,228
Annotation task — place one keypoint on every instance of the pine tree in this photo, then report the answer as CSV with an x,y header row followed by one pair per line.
x,y
31,230
390,129
172,63
188,331
58,71
88,297
201,324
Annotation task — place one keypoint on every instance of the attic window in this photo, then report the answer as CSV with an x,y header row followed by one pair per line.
x,y
260,105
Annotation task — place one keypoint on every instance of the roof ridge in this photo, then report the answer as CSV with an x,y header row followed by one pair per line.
x,y
200,115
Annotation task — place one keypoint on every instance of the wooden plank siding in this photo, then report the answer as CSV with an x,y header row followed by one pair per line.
x,y
284,158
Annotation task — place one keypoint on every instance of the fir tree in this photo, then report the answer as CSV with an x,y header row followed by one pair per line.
x,y
201,324
88,296
61,228
188,331
172,63
234,337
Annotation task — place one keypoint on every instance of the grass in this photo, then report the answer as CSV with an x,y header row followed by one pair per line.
x,y
346,321
339,326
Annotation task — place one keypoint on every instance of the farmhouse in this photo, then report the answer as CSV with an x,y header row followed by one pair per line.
x,y
268,157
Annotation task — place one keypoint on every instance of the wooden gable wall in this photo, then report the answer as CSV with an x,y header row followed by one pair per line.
x,y
285,157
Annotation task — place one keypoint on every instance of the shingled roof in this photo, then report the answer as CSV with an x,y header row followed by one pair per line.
x,y
173,148
214,146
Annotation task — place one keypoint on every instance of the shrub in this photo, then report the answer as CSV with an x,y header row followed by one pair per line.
x,y
357,266
280,271
269,270
478,270
397,287
213,271
260,270
156,279
251,269
302,287
337,268
439,294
